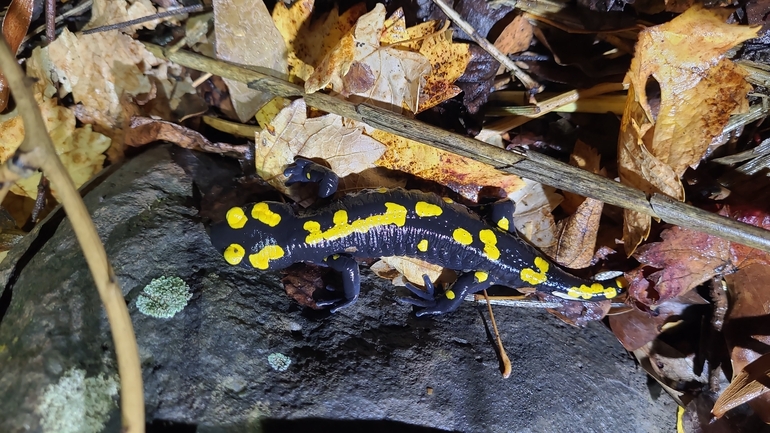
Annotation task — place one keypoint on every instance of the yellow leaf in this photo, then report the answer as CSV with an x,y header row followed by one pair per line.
x,y
292,134
80,149
413,269
308,42
463,175
448,62
699,90
381,75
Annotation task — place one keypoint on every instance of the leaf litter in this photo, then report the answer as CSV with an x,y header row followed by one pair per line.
x,y
683,90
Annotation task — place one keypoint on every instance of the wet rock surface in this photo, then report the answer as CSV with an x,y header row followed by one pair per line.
x,y
242,356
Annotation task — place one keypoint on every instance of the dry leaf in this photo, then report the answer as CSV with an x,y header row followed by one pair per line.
x,y
292,134
533,217
145,130
309,42
101,70
448,60
105,12
515,37
413,269
699,90
463,175
576,236
245,34
80,149
15,25
745,328
382,75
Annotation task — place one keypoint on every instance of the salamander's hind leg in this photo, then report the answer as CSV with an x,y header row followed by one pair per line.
x,y
306,171
351,281
468,283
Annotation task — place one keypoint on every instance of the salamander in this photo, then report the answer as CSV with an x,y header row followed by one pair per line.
x,y
395,222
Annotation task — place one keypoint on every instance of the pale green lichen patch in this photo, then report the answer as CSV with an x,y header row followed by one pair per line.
x,y
78,404
164,297
279,361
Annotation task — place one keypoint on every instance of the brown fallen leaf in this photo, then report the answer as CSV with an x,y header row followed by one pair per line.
x,y
338,141
687,258
413,269
145,130
576,234
515,37
381,75
745,331
105,12
463,175
15,25
309,42
699,90
245,34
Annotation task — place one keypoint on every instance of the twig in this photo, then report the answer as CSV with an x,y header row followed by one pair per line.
x,y
50,20
522,76
528,164
547,106
159,15
37,151
40,200
80,8
505,362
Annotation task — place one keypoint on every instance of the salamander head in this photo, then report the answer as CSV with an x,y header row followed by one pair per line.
x,y
250,236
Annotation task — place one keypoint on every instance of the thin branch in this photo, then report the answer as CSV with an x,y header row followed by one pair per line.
x,y
522,76
530,165
37,151
50,20
160,15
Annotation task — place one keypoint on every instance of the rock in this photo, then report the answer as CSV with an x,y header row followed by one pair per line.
x,y
242,355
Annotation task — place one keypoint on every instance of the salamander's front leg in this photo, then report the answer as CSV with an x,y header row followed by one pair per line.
x,y
448,301
306,171
351,281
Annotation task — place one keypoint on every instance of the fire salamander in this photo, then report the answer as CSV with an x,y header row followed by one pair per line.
x,y
395,222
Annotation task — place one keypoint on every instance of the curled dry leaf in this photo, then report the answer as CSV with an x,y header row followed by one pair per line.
x,y
576,234
533,217
413,269
699,90
359,65
15,25
330,137
80,149
463,175
105,12
747,338
144,130
245,34
309,42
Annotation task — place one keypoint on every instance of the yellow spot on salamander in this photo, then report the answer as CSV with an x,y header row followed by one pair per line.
x,y
425,209
340,217
236,218
534,277
261,259
307,176
394,214
262,213
449,294
589,292
382,190
462,236
504,223
234,254
489,239
481,276
423,245
447,200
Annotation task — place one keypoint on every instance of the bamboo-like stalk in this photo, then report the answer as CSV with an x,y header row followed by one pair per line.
x,y
37,152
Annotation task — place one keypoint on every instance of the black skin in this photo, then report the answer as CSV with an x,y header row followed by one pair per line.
x,y
479,268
